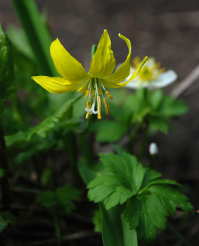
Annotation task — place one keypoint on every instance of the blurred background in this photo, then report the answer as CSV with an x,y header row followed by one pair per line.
x,y
166,30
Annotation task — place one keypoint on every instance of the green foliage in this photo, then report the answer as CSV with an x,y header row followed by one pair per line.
x,y
154,108
19,40
36,32
110,131
46,126
61,198
147,199
46,177
120,179
6,218
148,212
143,109
6,66
86,171
133,200
97,220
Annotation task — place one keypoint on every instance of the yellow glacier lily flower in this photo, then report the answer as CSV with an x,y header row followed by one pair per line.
x,y
95,84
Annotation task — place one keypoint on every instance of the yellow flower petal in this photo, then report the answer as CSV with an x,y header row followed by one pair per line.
x,y
65,64
103,61
122,71
56,84
138,69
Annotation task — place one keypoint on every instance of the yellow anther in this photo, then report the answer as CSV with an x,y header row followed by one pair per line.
x,y
108,94
99,108
106,105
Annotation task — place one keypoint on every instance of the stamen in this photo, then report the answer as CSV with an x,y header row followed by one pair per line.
x,y
108,94
99,115
96,92
88,114
107,109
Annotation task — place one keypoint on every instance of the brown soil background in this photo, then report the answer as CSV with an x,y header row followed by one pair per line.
x,y
167,30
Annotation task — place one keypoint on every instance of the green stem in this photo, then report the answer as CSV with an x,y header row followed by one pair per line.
x,y
36,32
111,227
115,229
129,235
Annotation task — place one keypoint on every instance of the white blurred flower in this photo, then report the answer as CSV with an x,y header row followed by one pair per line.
x,y
152,76
153,149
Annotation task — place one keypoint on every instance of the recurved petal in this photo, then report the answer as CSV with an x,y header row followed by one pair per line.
x,y
123,70
135,72
103,61
56,84
66,65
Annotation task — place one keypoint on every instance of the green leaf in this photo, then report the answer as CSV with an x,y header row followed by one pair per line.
x,y
6,65
139,106
110,131
156,98
171,198
158,124
172,107
45,126
47,199
37,33
3,224
153,108
87,171
65,196
46,176
148,211
120,179
51,122
150,176
97,220
62,198
147,199
20,41
6,218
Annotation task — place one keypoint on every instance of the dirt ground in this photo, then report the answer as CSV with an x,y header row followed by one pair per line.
x,y
170,34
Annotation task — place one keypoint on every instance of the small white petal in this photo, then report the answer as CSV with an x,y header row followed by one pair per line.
x,y
135,84
165,79
153,149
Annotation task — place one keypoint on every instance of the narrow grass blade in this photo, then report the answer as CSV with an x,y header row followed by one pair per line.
x,y
36,32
